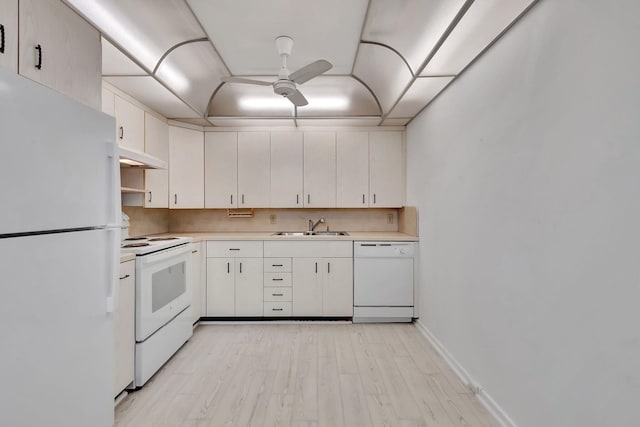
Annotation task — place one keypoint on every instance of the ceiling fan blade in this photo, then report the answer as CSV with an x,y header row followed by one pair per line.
x,y
297,99
247,81
310,71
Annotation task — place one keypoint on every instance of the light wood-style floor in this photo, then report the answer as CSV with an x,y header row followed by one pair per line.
x,y
304,374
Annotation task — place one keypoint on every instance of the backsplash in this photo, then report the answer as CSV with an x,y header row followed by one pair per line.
x,y
217,220
143,222
154,221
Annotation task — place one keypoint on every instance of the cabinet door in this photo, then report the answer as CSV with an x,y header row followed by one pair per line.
x,y
195,280
337,289
186,168
286,169
69,58
253,169
220,287
249,291
221,169
307,287
386,170
352,169
320,169
124,328
129,124
108,102
156,143
9,36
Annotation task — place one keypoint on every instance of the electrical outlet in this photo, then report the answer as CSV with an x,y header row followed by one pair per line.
x,y
389,218
273,219
475,389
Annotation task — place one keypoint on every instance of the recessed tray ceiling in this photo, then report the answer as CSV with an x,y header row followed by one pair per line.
x,y
390,59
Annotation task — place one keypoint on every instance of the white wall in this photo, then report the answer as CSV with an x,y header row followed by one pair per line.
x,y
526,174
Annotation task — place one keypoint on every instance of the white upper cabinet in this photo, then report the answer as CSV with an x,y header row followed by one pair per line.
x,y
320,169
253,169
386,169
9,35
286,169
108,102
60,49
186,169
129,124
221,169
156,143
352,169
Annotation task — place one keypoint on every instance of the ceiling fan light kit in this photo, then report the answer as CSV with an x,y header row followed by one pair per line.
x,y
286,83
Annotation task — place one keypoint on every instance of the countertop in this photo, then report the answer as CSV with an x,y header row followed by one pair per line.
x,y
268,235
126,257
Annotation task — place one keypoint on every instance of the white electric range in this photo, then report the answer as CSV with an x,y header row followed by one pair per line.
x,y
164,320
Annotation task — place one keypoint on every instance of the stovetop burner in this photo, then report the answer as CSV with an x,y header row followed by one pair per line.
x,y
136,245
159,239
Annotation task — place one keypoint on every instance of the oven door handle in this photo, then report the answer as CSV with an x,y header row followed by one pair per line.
x,y
165,254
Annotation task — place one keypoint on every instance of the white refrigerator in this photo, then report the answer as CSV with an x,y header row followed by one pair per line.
x,y
59,258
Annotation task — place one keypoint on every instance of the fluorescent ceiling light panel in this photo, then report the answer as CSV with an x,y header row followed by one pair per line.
x,y
265,103
479,26
174,78
118,29
276,103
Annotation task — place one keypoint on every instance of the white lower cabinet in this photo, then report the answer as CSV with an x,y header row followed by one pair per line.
x,y
234,282
198,292
124,328
279,279
321,276
323,287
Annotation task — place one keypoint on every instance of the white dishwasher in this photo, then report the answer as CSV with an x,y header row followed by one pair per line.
x,y
383,281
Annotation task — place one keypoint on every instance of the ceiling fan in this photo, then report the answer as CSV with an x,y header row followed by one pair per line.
x,y
286,83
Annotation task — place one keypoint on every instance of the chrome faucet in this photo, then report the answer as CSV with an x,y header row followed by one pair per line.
x,y
313,226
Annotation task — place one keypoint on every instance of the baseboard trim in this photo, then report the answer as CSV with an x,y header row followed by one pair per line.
x,y
485,399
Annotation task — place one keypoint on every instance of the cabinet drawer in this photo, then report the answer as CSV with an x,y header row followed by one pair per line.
x,y
238,248
274,309
274,265
277,294
277,279
127,268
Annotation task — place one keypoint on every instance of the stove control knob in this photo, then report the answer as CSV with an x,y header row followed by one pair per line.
x,y
403,251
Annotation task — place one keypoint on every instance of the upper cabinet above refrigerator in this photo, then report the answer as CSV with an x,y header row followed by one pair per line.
x,y
59,49
9,35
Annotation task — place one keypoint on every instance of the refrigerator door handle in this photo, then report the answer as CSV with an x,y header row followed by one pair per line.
x,y
113,265
114,216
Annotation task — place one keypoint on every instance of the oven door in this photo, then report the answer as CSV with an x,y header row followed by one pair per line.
x,y
161,288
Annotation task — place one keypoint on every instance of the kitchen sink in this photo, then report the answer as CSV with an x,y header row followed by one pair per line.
x,y
311,233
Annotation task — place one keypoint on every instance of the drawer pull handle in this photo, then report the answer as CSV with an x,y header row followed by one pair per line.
x,y
194,252
126,276
39,63
277,280
277,265
234,249
276,309
277,295
2,35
